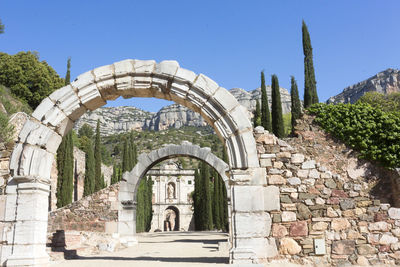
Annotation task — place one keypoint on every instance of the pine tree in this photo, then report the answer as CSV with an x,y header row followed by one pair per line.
x,y
265,114
257,115
276,109
88,187
68,75
97,158
310,88
296,104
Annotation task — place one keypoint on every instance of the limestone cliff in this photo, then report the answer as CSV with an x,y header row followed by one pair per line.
x,y
115,120
384,82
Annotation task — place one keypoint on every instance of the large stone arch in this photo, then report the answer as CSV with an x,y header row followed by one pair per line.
x,y
25,217
128,187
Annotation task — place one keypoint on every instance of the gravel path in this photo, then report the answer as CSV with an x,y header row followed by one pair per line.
x,y
161,249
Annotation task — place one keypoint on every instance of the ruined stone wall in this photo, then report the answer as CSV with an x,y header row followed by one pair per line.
x,y
342,210
97,213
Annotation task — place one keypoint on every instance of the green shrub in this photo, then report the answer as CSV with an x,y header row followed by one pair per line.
x,y
371,131
6,130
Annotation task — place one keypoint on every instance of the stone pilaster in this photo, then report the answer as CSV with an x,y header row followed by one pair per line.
x,y
28,242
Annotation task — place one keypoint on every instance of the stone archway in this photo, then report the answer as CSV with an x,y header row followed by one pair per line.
x,y
25,220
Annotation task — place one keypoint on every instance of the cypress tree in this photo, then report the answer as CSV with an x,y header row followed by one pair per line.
x,y
217,199
125,157
89,170
257,115
296,104
114,177
221,201
196,201
207,205
68,75
225,224
310,87
149,210
276,109
97,158
65,165
265,114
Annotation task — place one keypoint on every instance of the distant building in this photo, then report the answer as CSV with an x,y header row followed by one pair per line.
x,y
172,198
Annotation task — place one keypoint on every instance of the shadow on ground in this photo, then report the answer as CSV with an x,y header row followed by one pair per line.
x,y
159,259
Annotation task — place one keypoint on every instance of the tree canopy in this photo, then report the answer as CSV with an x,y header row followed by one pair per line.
x,y
28,78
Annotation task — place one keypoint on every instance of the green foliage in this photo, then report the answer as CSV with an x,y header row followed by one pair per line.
x,y
28,78
12,104
65,167
310,85
68,75
1,27
97,160
373,132
89,168
216,199
276,109
6,129
144,212
296,104
265,114
387,103
86,130
257,115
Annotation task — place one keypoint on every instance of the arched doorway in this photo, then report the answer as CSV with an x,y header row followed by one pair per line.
x,y
172,219
25,219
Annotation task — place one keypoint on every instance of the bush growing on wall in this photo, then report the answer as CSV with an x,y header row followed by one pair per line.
x,y
373,132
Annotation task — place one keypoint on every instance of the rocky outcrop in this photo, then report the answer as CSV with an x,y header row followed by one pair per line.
x,y
114,120
120,119
384,82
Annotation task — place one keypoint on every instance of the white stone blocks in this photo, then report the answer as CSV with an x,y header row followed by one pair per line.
x,y
248,198
83,80
103,73
90,97
144,66
394,213
66,99
47,112
252,225
225,100
242,122
167,68
271,198
35,133
263,247
30,232
124,67
34,161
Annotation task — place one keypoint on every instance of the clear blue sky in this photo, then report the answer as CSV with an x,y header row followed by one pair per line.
x,y
229,41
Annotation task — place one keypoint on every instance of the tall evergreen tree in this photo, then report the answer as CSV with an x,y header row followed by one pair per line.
x,y
296,104
217,199
221,203
114,177
65,164
97,158
276,109
125,157
1,27
88,187
68,75
206,203
257,115
265,114
310,85
225,221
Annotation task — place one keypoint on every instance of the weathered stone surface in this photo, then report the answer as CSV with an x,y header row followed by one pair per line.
x,y
343,247
330,183
288,216
387,239
362,261
379,226
310,164
346,204
303,212
394,213
297,158
299,228
271,198
279,230
366,249
294,181
320,226
340,224
276,180
289,246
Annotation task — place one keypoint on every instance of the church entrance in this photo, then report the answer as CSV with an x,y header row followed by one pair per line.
x,y
171,222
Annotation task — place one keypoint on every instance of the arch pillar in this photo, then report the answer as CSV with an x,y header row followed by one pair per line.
x,y
28,197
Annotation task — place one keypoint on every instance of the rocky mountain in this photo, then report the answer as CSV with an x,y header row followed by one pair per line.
x,y
114,120
384,82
